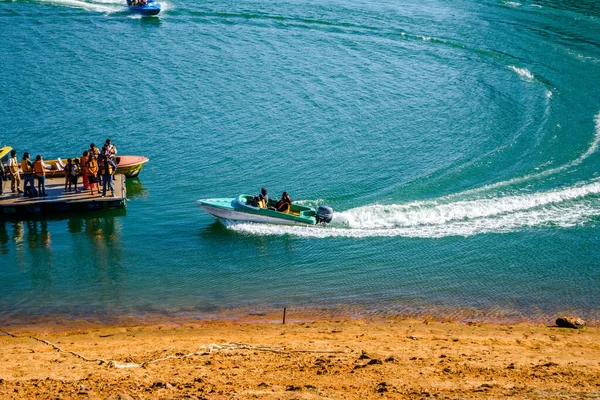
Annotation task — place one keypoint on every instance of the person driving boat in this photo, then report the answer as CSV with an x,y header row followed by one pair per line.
x,y
262,203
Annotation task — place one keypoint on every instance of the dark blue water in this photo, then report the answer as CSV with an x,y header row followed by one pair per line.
x,y
456,141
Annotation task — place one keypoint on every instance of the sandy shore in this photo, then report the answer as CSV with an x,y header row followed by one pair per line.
x,y
344,359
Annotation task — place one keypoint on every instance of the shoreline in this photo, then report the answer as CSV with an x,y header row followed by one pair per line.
x,y
331,358
272,315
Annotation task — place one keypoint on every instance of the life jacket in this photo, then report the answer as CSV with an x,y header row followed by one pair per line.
x,y
284,205
83,161
262,203
106,167
14,166
38,168
26,167
93,167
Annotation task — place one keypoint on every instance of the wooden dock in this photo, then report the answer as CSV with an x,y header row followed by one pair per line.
x,y
59,201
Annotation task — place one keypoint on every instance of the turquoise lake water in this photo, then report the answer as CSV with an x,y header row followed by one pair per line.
x,y
457,142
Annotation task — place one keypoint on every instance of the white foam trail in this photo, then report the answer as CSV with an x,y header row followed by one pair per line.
x,y
563,208
557,218
512,4
590,150
523,72
426,213
96,6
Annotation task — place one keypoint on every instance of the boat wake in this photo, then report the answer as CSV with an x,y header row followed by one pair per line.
x,y
101,6
456,216
434,219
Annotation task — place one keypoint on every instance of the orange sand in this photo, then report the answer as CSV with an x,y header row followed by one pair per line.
x,y
348,359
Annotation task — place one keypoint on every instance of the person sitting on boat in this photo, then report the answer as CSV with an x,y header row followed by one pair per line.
x,y
265,196
262,203
284,204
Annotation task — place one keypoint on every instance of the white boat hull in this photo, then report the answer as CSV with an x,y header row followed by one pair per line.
x,y
241,216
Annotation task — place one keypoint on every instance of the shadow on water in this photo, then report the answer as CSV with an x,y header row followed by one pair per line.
x,y
150,21
216,231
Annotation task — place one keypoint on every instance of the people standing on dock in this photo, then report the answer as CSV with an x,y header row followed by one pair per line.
x,y
107,170
27,168
13,171
94,151
75,174
68,170
111,150
83,162
1,178
93,173
39,170
71,175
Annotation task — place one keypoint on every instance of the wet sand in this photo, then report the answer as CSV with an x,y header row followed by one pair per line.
x,y
349,359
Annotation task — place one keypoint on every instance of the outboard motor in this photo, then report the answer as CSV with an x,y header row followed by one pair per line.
x,y
324,214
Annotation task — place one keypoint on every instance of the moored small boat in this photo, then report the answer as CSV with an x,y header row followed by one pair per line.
x,y
240,209
4,151
149,7
130,166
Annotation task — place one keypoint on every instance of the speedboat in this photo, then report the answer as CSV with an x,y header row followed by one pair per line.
x,y
240,209
130,166
150,7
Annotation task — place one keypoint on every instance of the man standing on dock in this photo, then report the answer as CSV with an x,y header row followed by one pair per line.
x,y
27,168
13,171
1,178
107,170
39,170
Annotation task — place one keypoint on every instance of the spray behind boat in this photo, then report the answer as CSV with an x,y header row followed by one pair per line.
x,y
324,214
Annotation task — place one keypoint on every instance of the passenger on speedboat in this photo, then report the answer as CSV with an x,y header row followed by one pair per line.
x,y
284,204
265,196
260,201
